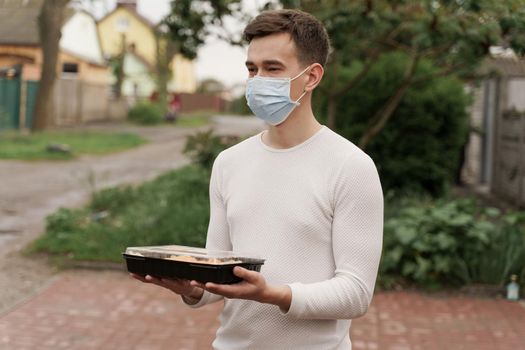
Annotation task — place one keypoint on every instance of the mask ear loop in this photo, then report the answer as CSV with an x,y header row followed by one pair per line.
x,y
304,91
300,97
298,75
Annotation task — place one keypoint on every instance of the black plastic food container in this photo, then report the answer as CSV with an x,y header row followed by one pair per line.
x,y
189,263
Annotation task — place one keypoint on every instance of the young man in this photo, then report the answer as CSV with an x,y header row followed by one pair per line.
x,y
299,195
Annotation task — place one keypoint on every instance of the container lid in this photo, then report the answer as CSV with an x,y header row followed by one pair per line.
x,y
193,254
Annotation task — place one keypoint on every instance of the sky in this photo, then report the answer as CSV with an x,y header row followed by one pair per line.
x,y
216,59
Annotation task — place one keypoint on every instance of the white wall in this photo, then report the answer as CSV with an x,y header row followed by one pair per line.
x,y
137,82
79,37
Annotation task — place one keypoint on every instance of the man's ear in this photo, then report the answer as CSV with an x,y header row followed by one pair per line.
x,y
315,74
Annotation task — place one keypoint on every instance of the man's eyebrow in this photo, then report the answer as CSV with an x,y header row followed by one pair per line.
x,y
273,62
266,63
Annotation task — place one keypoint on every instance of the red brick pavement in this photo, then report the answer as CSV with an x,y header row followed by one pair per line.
x,y
108,310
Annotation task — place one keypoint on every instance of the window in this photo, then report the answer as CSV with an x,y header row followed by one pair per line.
x,y
70,68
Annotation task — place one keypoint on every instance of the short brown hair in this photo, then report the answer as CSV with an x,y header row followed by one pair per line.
x,y
307,32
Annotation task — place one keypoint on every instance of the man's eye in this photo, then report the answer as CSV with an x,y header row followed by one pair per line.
x,y
252,70
273,69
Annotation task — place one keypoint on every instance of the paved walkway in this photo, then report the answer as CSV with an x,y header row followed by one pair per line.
x,y
108,310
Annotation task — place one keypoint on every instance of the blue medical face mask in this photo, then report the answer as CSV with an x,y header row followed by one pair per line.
x,y
269,98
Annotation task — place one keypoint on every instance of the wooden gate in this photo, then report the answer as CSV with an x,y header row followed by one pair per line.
x,y
9,103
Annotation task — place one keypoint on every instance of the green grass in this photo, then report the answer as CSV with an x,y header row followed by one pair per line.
x,y
34,146
172,209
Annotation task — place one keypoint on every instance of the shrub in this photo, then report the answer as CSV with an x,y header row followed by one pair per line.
x,y
420,145
172,209
451,243
203,147
145,114
239,106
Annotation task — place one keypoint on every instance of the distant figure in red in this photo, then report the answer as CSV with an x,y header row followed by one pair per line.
x,y
174,107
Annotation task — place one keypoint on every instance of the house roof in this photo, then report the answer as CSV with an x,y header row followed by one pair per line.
x,y
83,58
133,12
19,21
504,65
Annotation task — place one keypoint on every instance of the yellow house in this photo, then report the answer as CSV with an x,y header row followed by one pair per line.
x,y
125,28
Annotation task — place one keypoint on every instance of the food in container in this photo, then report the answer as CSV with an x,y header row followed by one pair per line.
x,y
199,264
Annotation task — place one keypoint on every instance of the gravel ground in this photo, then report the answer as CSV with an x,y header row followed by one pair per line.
x,y
32,190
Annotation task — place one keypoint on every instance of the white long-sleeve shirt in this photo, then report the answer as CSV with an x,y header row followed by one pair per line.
x,y
315,213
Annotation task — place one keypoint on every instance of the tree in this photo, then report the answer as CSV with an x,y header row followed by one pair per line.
x,y
190,22
419,151
50,22
455,35
166,50
116,63
185,29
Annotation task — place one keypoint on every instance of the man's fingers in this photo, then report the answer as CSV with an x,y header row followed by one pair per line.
x,y
138,277
225,290
154,280
149,279
247,275
197,284
174,283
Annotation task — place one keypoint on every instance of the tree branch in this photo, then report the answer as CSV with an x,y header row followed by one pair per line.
x,y
441,73
380,119
356,79
373,56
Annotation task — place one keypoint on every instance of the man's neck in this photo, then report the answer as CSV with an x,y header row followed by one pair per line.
x,y
299,127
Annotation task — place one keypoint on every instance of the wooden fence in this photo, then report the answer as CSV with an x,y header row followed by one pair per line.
x,y
76,102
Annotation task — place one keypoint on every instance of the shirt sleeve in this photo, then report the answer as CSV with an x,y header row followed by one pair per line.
x,y
357,237
218,236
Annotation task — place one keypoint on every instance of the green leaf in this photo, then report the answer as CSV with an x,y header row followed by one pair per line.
x,y
492,212
406,235
461,220
445,241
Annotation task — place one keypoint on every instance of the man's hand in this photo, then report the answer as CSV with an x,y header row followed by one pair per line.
x,y
192,294
253,287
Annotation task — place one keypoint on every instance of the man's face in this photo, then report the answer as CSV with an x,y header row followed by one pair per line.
x,y
273,56
276,56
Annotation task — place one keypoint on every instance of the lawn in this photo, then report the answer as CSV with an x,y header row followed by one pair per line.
x,y
35,146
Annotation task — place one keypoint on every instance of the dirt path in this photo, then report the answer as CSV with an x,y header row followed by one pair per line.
x,y
29,191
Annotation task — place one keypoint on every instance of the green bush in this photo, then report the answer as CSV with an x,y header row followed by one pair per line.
x,y
172,209
238,106
505,254
203,147
145,113
450,243
420,145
